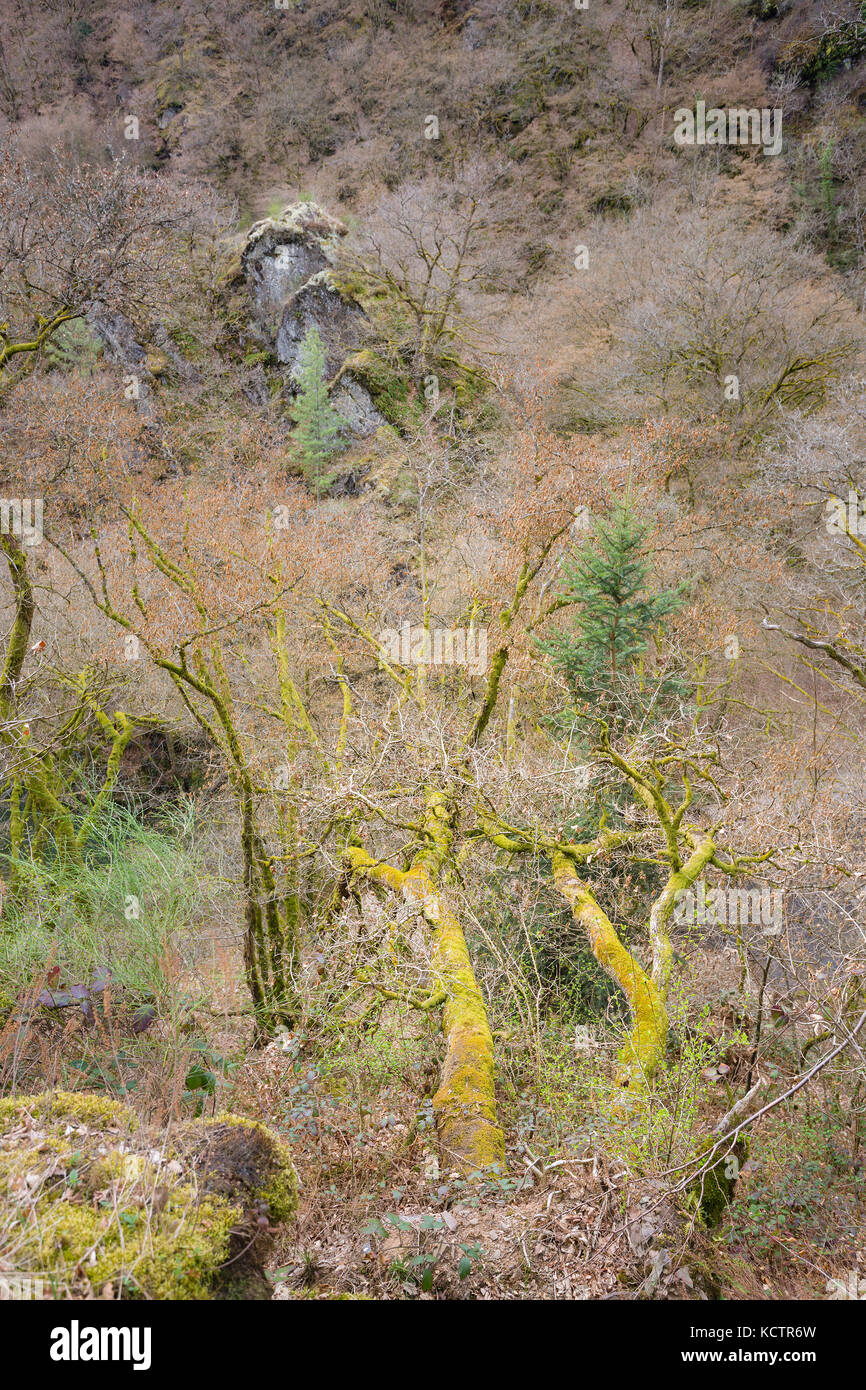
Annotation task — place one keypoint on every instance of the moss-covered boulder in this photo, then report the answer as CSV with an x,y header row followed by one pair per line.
x,y
90,1198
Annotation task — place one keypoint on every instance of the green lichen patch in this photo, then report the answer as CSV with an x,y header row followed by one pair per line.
x,y
396,398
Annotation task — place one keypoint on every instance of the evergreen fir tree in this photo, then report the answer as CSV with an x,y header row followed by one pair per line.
x,y
316,422
601,656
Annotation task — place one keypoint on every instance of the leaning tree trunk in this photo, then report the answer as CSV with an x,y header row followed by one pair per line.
x,y
470,1138
647,1040
646,994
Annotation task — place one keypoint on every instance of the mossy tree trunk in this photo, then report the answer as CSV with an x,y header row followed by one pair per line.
x,y
645,991
272,936
645,1046
470,1138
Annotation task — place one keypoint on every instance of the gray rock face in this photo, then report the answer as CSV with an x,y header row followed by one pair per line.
x,y
317,304
167,116
275,270
352,401
282,253
287,263
117,335
121,346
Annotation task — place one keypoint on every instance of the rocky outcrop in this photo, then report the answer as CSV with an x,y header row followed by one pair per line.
x,y
286,270
143,358
280,254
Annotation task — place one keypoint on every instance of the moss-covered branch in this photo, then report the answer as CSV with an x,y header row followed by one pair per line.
x,y
646,1042
465,1102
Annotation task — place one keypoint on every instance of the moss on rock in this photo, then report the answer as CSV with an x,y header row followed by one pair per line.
x,y
98,1199
389,390
237,1143
81,1106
